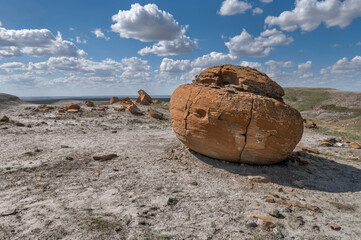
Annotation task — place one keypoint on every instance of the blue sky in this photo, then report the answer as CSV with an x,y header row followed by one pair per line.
x,y
88,47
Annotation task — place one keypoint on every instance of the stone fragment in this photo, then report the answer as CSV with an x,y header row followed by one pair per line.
x,y
102,158
127,103
4,119
119,109
335,227
155,114
270,200
193,182
355,145
89,103
143,98
308,149
260,179
326,144
155,101
309,124
72,106
114,100
72,110
249,124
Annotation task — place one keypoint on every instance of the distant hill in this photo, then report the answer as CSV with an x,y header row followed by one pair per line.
x,y
7,100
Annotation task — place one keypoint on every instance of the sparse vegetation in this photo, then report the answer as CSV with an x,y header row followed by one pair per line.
x,y
344,206
305,98
162,106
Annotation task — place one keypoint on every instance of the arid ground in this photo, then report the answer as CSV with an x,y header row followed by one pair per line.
x,y
52,188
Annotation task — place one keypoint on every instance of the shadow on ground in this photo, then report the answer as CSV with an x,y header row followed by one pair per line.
x,y
321,174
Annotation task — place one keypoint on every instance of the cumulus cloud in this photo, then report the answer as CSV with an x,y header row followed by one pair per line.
x,y
99,34
136,70
180,45
146,23
266,1
78,40
175,66
309,14
345,66
35,42
279,64
305,66
213,59
257,10
247,45
256,65
1,23
233,7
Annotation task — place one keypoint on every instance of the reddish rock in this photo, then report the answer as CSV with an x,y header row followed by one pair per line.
x,y
143,98
127,103
193,182
114,100
335,227
61,110
42,106
72,110
298,204
311,207
155,114
101,108
309,124
72,106
4,119
326,144
311,150
89,104
270,200
35,110
250,124
355,145
156,101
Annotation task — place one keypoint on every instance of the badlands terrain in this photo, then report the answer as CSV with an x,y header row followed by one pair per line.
x,y
106,174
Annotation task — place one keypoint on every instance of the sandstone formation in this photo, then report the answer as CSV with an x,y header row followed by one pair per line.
x,y
144,98
114,100
156,101
4,119
89,104
127,103
236,114
155,113
72,106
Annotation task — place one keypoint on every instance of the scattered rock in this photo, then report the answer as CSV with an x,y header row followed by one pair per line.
x,y
20,124
61,110
89,103
326,144
267,221
4,119
275,213
172,201
278,232
270,200
9,213
217,121
308,149
119,109
69,158
309,124
155,101
298,204
72,106
143,98
64,146
251,224
102,158
335,227
193,182
312,208
127,103
260,179
298,216
72,110
355,145
114,131
155,114
114,100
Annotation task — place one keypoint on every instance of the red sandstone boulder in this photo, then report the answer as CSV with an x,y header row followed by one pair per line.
x,y
155,114
355,145
127,103
143,98
4,119
236,114
119,109
156,101
89,104
72,106
114,100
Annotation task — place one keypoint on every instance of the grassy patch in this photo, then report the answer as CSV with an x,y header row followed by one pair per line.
x,y
162,106
344,206
135,121
305,98
354,112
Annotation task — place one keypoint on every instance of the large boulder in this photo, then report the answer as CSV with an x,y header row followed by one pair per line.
x,y
144,98
236,114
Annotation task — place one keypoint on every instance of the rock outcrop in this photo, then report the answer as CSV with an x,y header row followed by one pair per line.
x,y
236,114
155,114
127,103
89,104
144,98
114,100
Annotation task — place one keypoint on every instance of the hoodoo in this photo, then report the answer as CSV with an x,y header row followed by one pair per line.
x,y
237,114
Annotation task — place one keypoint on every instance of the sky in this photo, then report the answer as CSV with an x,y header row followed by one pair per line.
x,y
113,47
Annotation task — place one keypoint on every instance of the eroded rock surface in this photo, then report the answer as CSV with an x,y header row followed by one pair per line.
x,y
236,114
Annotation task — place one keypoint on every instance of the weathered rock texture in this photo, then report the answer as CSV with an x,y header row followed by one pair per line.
x,y
144,98
236,114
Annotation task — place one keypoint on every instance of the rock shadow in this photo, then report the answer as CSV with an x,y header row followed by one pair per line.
x,y
320,174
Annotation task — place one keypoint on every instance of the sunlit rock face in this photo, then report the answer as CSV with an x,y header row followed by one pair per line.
x,y
236,114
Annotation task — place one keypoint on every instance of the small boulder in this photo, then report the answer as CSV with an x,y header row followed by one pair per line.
x,y
155,114
119,109
311,150
355,145
127,103
89,104
156,101
114,100
143,98
309,124
72,110
102,158
326,144
4,119
72,106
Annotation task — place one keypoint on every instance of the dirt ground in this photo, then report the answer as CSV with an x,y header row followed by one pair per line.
x,y
52,188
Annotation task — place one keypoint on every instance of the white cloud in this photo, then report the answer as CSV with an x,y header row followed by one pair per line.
x,y
146,23
256,65
71,29
78,40
232,7
1,23
257,10
279,64
175,66
136,70
246,45
181,45
36,42
309,14
213,59
266,1
305,66
335,45
99,34
345,66
358,43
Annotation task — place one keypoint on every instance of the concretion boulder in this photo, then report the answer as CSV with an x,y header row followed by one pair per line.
x,y
127,103
4,119
72,106
144,98
236,114
155,113
114,100
89,104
